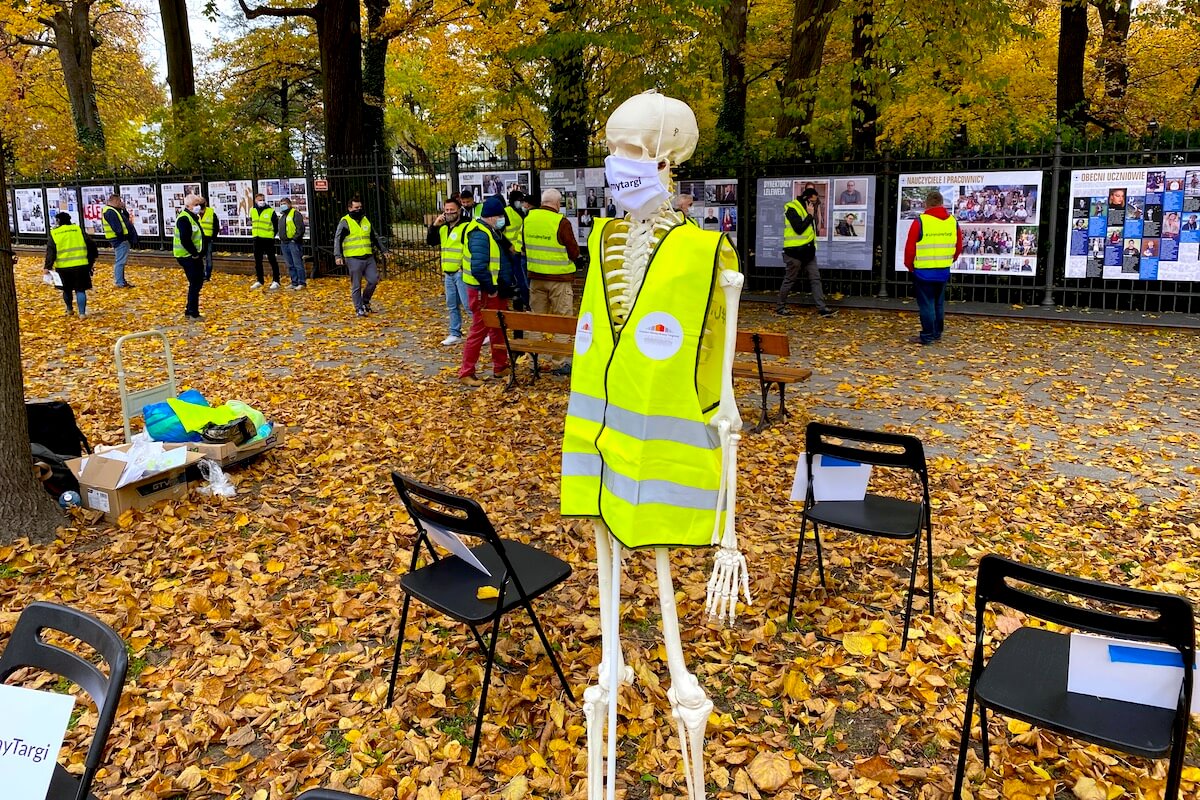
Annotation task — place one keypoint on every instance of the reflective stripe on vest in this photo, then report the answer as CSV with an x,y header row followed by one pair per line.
x,y
493,253
69,246
790,237
109,233
263,223
939,239
543,253
208,221
512,228
177,244
637,449
357,243
289,224
453,240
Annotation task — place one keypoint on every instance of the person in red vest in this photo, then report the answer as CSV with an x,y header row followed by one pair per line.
x,y
934,244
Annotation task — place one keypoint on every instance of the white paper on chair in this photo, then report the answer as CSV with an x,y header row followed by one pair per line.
x,y
32,728
833,479
1118,669
449,540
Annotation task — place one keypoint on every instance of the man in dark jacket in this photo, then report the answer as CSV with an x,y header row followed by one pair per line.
x,y
120,233
188,249
489,285
800,251
71,254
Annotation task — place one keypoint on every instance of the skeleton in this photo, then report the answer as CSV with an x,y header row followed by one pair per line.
x,y
653,128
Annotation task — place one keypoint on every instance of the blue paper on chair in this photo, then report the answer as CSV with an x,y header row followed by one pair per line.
x,y
833,479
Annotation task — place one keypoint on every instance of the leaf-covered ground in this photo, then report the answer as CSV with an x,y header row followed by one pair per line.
x,y
261,627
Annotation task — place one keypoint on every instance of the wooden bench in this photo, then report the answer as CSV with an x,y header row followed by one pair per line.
x,y
761,344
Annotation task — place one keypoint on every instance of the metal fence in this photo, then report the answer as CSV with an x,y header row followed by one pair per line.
x,y
402,196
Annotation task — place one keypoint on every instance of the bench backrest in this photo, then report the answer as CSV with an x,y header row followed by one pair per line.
x,y
525,321
769,344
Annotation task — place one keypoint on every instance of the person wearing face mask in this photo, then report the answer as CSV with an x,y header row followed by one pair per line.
x,y
446,233
290,228
551,253
514,223
208,233
71,253
264,222
354,246
188,249
487,271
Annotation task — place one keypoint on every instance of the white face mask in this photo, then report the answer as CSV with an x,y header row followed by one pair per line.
x,y
635,185
195,209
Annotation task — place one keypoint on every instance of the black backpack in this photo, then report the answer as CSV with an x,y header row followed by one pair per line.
x,y
54,437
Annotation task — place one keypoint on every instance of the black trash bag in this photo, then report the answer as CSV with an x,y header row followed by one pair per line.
x,y
60,479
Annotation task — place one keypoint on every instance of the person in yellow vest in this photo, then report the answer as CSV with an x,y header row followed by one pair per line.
x,y
120,233
188,249
487,271
934,243
800,251
514,224
354,246
209,228
683,204
291,242
263,221
71,254
446,233
551,253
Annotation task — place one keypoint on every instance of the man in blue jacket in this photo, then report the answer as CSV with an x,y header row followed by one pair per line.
x,y
120,233
489,285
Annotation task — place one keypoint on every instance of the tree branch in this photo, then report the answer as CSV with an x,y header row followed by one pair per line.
x,y
36,42
268,11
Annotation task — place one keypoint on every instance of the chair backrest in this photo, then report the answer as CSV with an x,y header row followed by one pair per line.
x,y
27,648
762,343
1173,621
429,506
903,451
329,794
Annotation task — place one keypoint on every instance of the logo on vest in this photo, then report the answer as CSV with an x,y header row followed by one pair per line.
x,y
583,334
659,335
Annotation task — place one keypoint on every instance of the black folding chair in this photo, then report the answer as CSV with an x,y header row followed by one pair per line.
x,y
1026,677
27,648
520,573
329,794
876,515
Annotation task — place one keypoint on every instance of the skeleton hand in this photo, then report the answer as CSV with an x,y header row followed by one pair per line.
x,y
729,573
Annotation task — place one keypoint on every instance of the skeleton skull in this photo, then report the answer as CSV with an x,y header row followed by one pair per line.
x,y
652,127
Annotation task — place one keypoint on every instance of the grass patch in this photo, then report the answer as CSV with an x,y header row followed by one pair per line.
x,y
348,580
336,743
456,728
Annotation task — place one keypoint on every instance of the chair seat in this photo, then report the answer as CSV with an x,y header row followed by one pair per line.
x,y
876,515
449,585
1007,685
64,785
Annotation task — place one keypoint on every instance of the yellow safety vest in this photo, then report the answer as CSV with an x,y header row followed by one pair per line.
x,y
512,228
637,449
69,246
289,224
939,239
177,245
357,243
454,240
263,222
493,254
208,221
790,237
543,253
109,233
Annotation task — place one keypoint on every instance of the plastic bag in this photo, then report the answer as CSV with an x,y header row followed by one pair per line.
x,y
218,484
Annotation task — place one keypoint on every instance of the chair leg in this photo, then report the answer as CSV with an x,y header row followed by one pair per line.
x,y
765,389
533,359
537,626
796,570
1175,765
983,736
399,646
782,409
820,557
912,585
964,740
483,648
929,558
483,692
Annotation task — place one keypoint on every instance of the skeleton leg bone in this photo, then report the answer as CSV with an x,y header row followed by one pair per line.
x,y
600,699
689,704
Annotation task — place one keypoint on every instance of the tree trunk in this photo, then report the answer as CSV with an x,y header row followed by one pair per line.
x,y
1072,50
810,25
567,105
731,119
177,38
25,508
375,76
72,29
1113,58
864,107
339,39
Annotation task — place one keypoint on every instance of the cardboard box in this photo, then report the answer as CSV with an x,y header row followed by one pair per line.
x,y
99,476
226,454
